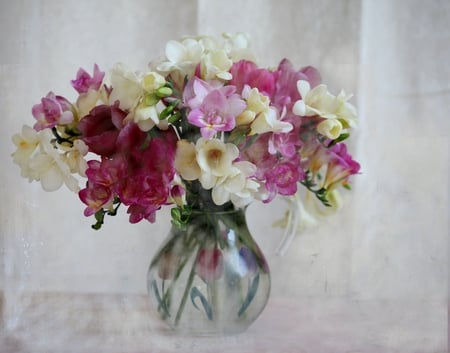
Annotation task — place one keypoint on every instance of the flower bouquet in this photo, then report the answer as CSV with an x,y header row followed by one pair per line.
x,y
204,129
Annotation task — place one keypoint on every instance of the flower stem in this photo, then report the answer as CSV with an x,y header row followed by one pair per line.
x,y
186,290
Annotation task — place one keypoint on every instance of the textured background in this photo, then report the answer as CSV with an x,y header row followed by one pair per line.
x,y
374,278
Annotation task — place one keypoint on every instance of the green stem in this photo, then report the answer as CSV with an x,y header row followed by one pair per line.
x,y
186,290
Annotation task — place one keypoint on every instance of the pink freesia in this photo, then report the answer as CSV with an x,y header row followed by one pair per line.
x,y
53,110
286,77
84,81
283,178
340,166
247,73
217,110
95,196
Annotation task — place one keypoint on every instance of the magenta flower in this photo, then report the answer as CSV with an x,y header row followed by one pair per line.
x,y
214,109
95,196
283,178
105,132
209,264
53,110
247,73
340,166
83,82
286,93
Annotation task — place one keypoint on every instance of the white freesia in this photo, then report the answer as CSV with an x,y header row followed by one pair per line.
x,y
26,142
318,101
182,56
257,103
74,157
237,46
146,116
127,86
268,121
87,101
152,81
214,158
215,64
236,186
186,160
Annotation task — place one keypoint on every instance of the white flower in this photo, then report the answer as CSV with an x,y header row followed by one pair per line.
x,y
182,56
74,157
87,101
215,64
269,121
238,46
27,142
318,101
127,86
39,160
214,158
236,186
186,160
146,116
152,81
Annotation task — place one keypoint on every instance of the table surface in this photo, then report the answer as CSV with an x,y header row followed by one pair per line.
x,y
71,322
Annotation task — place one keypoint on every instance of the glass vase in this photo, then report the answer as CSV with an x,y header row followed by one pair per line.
x,y
209,277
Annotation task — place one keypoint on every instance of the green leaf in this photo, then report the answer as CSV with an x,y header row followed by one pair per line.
x,y
250,295
340,138
162,303
195,293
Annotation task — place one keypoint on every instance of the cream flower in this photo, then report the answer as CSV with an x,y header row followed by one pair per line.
x,y
127,86
318,101
152,81
26,142
269,122
215,64
256,103
74,157
186,160
182,56
236,186
214,158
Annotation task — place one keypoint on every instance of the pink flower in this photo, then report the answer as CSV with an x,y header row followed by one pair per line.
x,y
95,196
209,264
286,77
53,110
214,109
340,166
83,82
247,73
283,178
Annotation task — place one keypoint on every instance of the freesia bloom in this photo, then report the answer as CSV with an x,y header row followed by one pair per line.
x,y
214,159
318,101
84,82
127,86
236,186
217,111
186,160
49,166
26,142
52,110
340,166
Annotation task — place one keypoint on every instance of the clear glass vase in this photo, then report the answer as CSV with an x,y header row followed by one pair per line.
x,y
209,278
